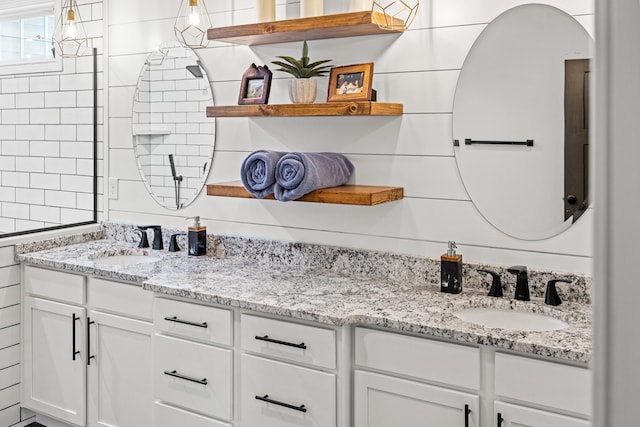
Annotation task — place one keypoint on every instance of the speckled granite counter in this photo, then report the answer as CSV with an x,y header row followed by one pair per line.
x,y
326,296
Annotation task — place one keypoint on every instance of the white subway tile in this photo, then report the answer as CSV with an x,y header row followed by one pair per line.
x,y
85,133
60,166
7,132
72,216
84,167
30,100
45,116
76,116
45,84
15,117
16,179
84,201
45,181
7,163
7,194
44,148
45,213
190,107
30,196
83,184
76,82
29,164
7,101
15,210
174,96
59,99
15,85
29,132
68,65
7,225
200,139
64,199
84,98
77,150
25,224
60,132
14,148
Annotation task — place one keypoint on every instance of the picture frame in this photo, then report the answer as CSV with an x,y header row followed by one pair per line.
x,y
255,86
351,83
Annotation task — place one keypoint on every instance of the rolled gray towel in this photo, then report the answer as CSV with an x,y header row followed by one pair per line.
x,y
258,172
300,173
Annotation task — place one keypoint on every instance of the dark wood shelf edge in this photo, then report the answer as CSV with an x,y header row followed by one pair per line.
x,y
345,108
313,28
360,195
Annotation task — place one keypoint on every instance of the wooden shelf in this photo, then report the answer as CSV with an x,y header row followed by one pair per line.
x,y
353,108
318,27
362,195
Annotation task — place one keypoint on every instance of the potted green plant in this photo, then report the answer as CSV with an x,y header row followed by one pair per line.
x,y
303,88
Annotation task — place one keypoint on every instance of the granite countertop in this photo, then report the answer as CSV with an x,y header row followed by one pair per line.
x,y
328,297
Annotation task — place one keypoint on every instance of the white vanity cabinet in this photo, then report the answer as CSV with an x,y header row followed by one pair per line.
x,y
54,355
87,347
384,397
275,390
192,365
540,393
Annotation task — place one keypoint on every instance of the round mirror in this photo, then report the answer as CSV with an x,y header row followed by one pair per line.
x,y
173,138
521,121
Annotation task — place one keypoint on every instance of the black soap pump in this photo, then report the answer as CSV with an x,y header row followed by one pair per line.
x,y
197,238
451,270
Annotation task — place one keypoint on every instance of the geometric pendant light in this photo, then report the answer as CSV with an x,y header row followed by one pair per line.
x,y
69,37
192,24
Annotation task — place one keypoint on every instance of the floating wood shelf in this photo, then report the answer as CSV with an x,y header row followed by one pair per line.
x,y
314,28
353,108
362,195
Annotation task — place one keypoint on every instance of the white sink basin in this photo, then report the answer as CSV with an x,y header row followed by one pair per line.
x,y
510,319
126,259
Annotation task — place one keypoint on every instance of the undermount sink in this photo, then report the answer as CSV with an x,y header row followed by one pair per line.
x,y
510,319
126,259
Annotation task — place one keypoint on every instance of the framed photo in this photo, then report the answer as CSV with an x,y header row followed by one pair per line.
x,y
351,83
255,86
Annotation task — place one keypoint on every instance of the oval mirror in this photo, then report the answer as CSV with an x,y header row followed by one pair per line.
x,y
521,121
173,139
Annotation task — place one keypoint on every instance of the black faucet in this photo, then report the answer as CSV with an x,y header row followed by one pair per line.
x,y
173,242
551,296
496,285
522,282
144,242
157,236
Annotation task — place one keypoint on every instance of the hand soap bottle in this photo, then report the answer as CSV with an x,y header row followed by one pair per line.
x,y
197,238
451,271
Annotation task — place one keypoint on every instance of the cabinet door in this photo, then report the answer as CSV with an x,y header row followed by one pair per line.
x,y
54,368
506,415
120,371
383,401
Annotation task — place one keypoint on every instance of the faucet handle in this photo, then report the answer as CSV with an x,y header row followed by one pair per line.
x,y
496,285
173,242
517,269
144,242
551,296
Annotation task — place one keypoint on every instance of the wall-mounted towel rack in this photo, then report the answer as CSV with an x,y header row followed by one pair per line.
x,y
469,141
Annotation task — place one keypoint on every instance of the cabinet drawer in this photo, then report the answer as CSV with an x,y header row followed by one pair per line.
x,y
514,415
167,416
422,358
194,376
283,384
383,401
194,321
54,284
550,384
291,341
121,298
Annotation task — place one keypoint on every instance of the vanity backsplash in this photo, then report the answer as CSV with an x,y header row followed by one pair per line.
x,y
383,265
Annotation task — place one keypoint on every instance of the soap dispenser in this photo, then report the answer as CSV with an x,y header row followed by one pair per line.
x,y
451,271
197,238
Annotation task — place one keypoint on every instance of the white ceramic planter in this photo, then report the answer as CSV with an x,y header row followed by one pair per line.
x,y
359,5
265,10
311,8
303,91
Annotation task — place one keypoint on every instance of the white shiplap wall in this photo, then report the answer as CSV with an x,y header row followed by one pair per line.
x,y
419,69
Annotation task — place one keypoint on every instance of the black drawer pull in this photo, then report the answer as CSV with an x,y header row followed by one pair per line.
x,y
89,323
183,377
467,411
74,352
266,338
500,419
185,322
265,398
